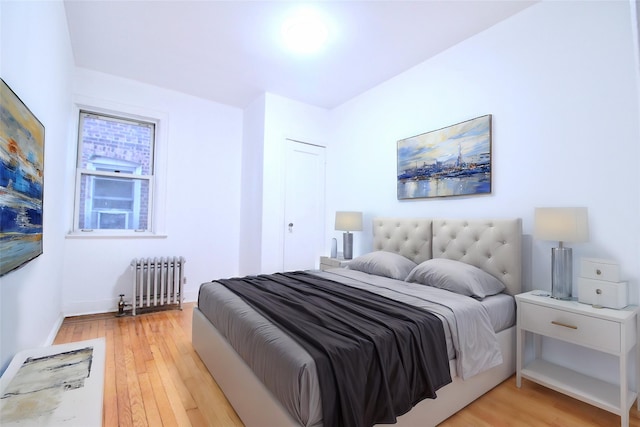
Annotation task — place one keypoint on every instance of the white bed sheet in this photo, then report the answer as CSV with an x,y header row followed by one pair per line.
x,y
467,323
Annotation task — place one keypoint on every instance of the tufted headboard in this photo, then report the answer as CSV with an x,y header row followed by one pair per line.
x,y
493,245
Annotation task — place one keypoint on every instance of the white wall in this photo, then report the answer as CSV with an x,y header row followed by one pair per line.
x,y
268,121
284,118
251,197
37,63
202,198
561,81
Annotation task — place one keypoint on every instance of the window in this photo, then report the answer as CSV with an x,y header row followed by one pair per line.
x,y
115,173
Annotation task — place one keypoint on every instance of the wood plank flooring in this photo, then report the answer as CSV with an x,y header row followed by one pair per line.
x,y
155,378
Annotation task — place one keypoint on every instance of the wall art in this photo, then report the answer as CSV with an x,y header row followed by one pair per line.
x,y
21,182
58,385
452,161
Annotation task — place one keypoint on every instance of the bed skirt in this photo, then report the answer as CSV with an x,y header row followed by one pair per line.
x,y
256,406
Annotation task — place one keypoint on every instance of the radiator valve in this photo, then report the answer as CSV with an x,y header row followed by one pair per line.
x,y
121,305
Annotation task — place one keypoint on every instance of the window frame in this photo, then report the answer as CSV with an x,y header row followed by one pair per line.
x,y
157,180
103,164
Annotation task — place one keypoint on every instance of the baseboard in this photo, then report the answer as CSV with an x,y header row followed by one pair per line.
x,y
191,296
83,308
54,331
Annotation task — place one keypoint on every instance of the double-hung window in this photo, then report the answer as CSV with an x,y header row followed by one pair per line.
x,y
115,173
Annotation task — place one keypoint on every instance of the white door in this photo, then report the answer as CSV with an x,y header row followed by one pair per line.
x,y
304,205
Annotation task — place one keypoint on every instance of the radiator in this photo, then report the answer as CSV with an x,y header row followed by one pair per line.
x,y
157,283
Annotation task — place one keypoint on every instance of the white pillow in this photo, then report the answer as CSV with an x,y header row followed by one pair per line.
x,y
456,276
382,263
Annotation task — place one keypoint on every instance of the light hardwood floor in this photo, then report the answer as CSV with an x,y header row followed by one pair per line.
x,y
155,378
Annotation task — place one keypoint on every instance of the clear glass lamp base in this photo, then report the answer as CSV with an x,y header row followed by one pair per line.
x,y
561,273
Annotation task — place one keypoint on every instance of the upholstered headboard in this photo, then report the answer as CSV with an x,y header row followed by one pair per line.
x,y
493,245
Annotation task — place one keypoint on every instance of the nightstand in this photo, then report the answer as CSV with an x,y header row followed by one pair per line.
x,y
610,331
327,262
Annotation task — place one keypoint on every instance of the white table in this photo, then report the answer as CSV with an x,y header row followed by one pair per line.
x,y
327,262
607,330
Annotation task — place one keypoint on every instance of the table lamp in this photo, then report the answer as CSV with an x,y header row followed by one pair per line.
x,y
563,225
347,222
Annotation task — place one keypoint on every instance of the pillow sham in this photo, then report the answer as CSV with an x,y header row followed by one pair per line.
x,y
456,276
382,263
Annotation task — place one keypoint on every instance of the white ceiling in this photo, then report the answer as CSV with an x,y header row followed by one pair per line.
x,y
230,51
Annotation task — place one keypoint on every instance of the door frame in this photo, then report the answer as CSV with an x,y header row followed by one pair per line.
x,y
321,207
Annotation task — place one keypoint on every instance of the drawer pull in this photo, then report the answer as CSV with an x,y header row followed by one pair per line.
x,y
564,324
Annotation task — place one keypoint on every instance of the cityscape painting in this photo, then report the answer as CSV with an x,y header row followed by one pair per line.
x,y
21,182
452,161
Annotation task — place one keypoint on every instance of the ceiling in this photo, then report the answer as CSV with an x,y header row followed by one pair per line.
x,y
230,51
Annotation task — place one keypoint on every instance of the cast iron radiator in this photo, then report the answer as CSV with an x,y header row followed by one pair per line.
x,y
157,283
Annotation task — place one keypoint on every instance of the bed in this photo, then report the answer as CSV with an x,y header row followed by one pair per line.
x,y
261,394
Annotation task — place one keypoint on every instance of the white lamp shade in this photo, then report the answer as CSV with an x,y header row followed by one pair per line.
x,y
349,221
561,224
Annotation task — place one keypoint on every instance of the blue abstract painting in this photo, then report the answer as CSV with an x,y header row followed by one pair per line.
x,y
21,182
452,161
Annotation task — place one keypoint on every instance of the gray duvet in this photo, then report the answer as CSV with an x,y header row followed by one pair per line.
x,y
289,372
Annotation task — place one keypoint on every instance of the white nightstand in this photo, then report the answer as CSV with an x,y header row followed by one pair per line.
x,y
606,330
327,262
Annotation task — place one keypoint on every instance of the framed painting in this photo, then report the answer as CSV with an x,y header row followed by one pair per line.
x,y
58,385
452,161
21,182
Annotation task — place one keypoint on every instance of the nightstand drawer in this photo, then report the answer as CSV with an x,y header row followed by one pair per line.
x,y
583,330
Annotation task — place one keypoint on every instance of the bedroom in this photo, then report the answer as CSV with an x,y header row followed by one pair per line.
x,y
560,78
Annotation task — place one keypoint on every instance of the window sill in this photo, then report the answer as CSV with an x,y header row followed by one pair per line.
x,y
114,235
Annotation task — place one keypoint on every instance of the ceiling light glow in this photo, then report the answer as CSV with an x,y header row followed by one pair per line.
x,y
305,31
